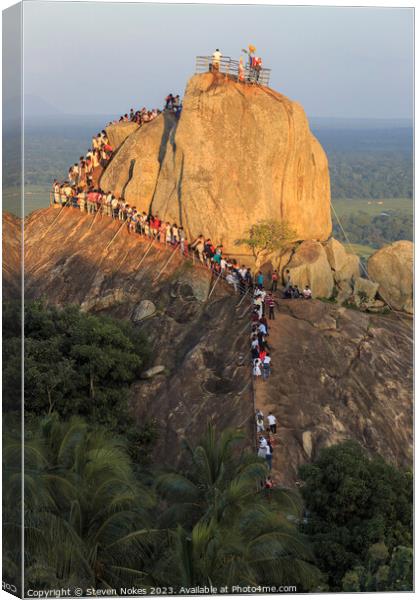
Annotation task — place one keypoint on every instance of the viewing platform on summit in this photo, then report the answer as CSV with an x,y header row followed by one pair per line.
x,y
252,72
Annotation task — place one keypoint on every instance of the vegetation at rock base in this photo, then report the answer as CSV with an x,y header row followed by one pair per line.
x,y
268,236
75,364
93,520
359,519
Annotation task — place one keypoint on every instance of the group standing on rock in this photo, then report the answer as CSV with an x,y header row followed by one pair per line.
x,y
144,115
249,73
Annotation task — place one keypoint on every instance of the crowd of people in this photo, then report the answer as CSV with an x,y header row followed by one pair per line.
x,y
265,305
248,72
81,174
144,115
96,201
292,291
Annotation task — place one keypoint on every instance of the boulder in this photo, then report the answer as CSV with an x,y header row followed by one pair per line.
x,y
143,310
349,271
118,132
345,291
392,268
309,266
364,291
238,154
336,254
344,265
152,372
101,301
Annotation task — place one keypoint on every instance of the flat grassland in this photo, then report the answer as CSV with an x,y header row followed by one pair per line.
x,y
371,206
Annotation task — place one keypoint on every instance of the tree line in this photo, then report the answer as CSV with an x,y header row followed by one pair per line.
x,y
375,231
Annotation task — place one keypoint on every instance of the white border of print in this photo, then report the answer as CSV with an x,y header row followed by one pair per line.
x,y
384,4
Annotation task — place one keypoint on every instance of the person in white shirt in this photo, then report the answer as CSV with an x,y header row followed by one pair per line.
x,y
262,450
272,422
232,280
217,55
266,367
259,305
114,205
307,293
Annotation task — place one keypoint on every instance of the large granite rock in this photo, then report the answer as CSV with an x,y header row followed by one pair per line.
x,y
309,266
392,268
239,154
345,266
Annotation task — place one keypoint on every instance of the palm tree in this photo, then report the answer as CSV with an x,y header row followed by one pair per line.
x,y
222,527
87,519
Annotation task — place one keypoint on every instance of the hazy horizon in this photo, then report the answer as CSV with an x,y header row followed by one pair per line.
x,y
354,63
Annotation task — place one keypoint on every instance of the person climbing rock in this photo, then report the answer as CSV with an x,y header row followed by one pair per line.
x,y
269,454
266,366
260,423
262,447
257,367
272,422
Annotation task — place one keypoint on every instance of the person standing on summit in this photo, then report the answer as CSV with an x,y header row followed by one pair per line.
x,y
216,57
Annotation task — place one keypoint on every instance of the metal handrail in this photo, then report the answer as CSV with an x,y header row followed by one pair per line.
x,y
230,67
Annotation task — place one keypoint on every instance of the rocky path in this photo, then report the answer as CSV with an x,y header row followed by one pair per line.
x,y
268,399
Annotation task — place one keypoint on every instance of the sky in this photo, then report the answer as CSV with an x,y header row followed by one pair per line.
x,y
92,58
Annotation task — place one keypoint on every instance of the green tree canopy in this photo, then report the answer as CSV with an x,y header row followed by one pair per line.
x,y
87,516
222,526
75,363
354,503
268,236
